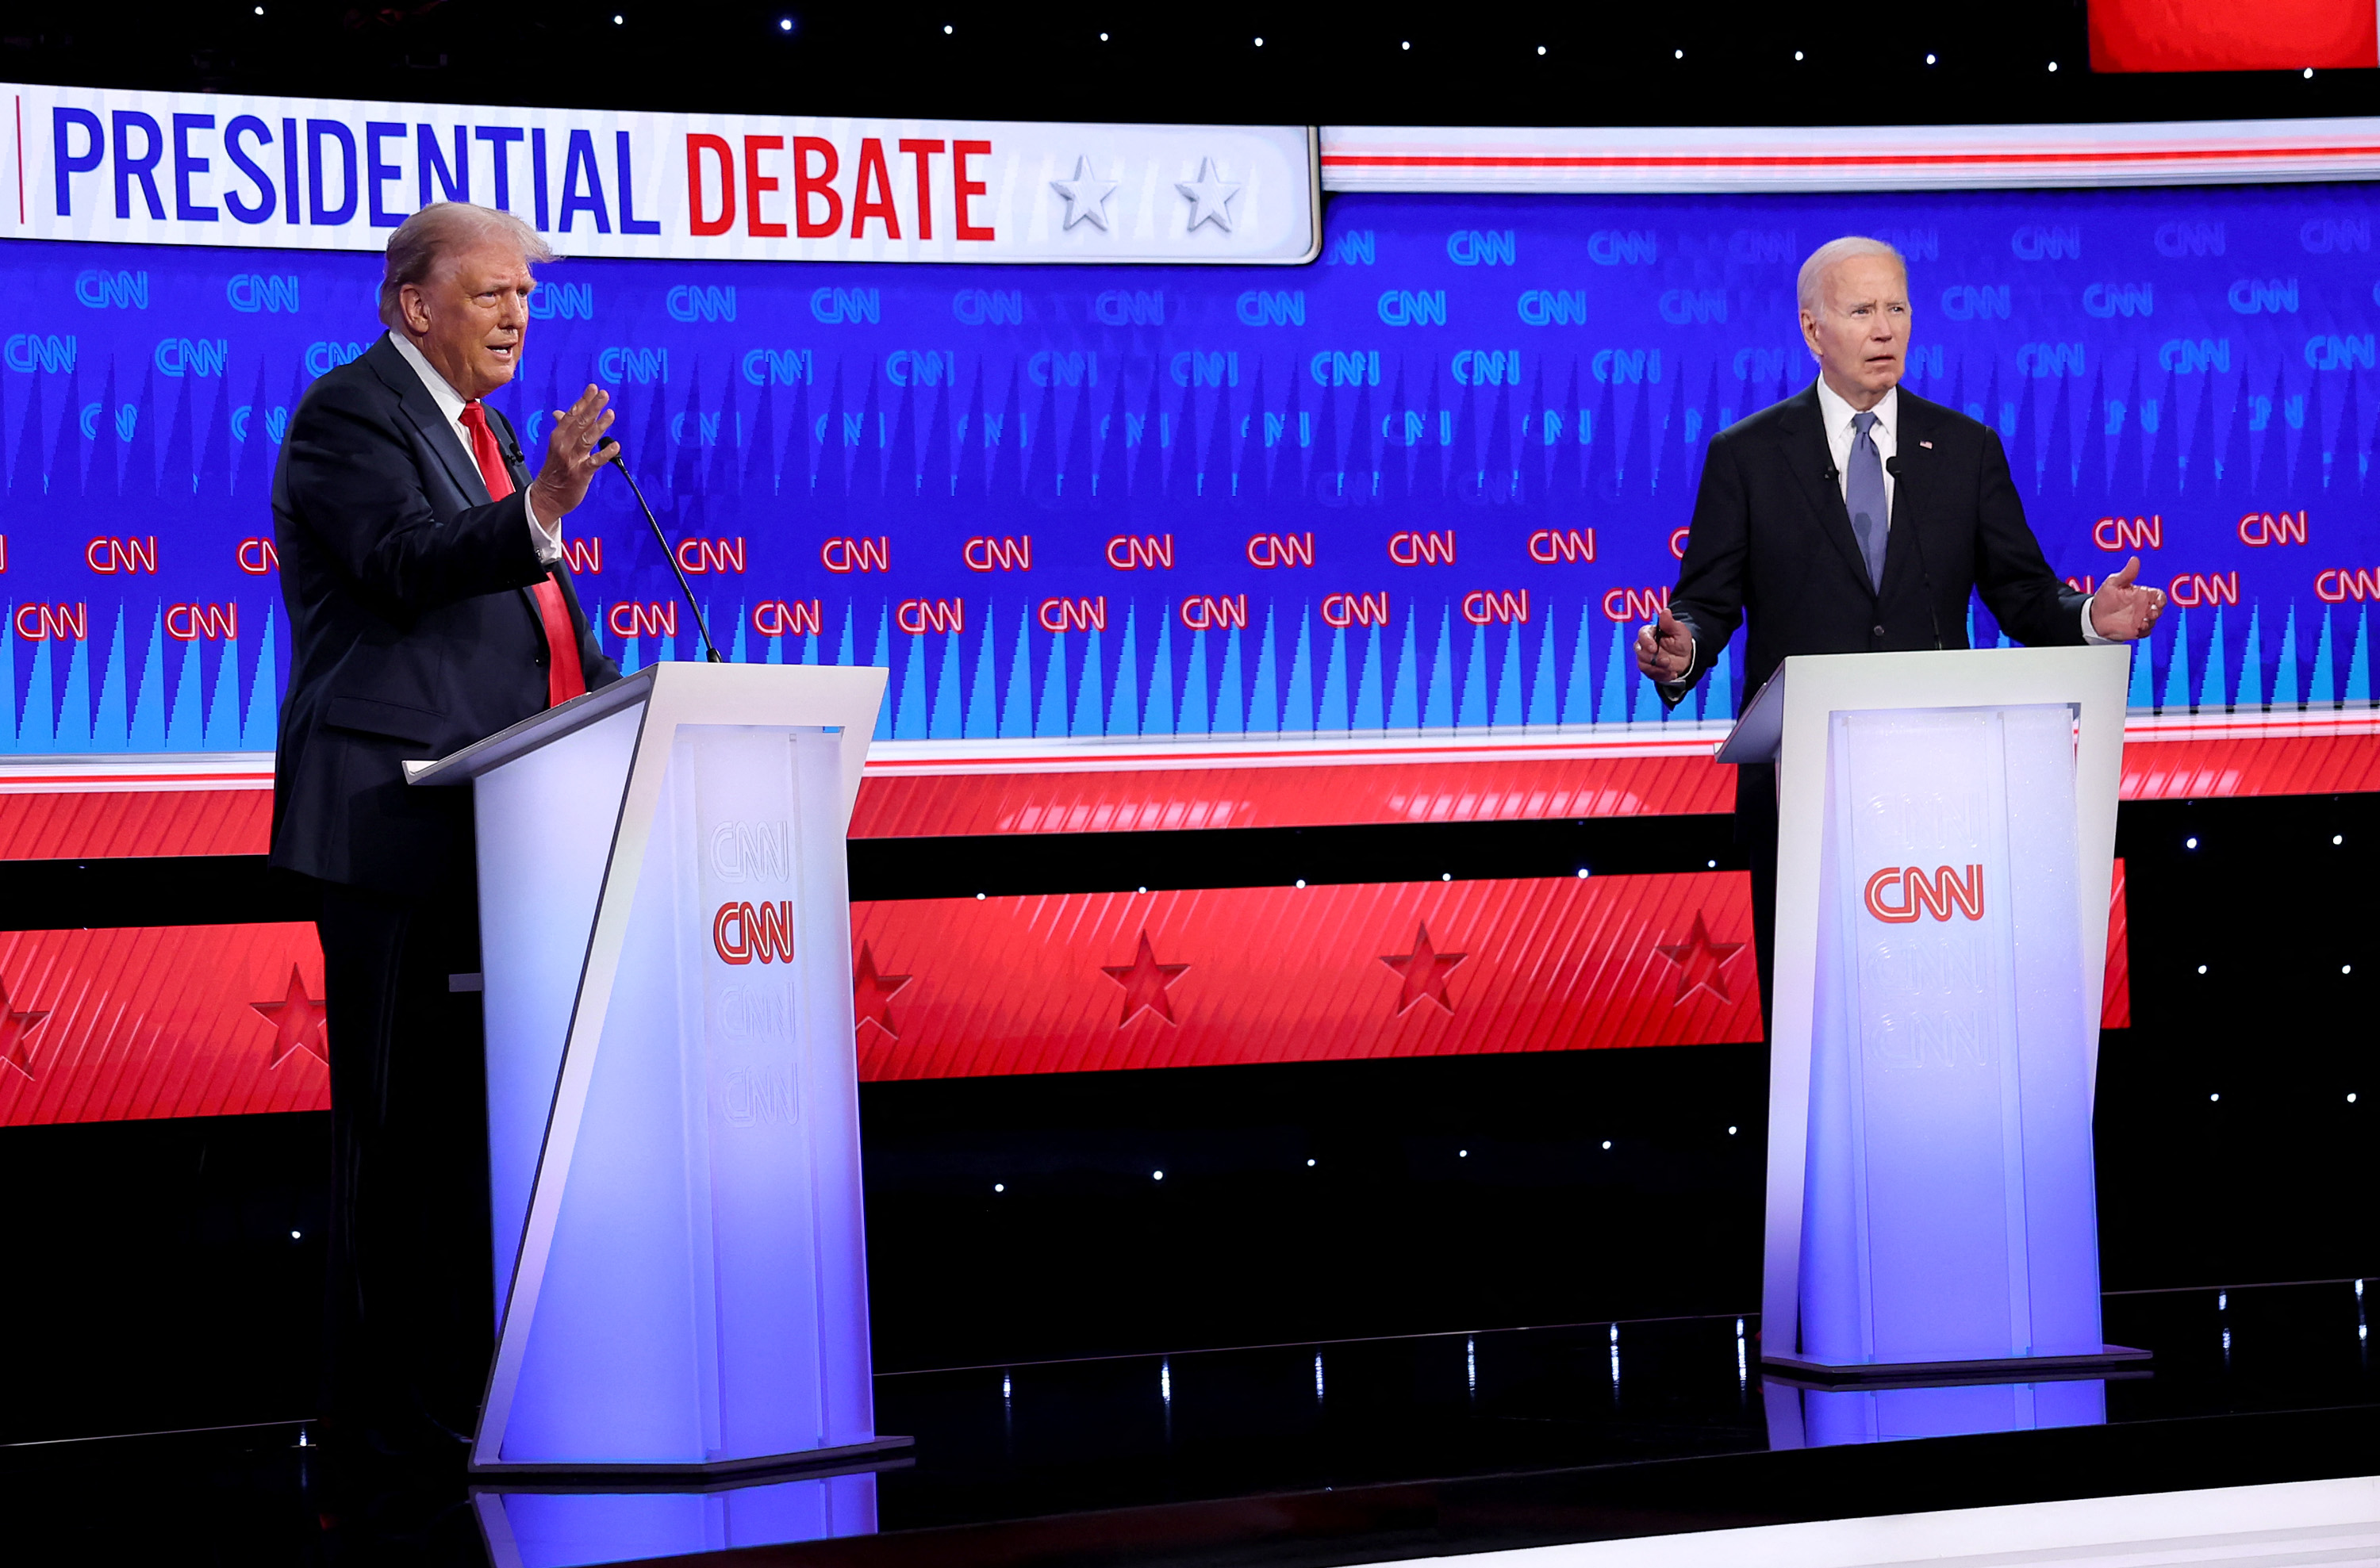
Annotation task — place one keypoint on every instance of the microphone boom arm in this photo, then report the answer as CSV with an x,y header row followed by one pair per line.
x,y
710,649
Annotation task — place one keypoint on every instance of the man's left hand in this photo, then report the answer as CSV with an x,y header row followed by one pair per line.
x,y
2123,611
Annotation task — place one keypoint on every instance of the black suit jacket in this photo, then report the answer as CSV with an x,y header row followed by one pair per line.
x,y
413,630
1772,546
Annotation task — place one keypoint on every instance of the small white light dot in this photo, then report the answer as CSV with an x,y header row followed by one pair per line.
x,y
1607,1144
1144,889
2053,65
1259,42
1309,1165
978,897
293,1234
2309,73
2338,838
1000,1186
1446,876
1730,1132
1156,1175
785,24
2351,1099
2211,1099
1930,59
2191,842
1406,44
1541,49
946,28
2347,969
1676,54
1713,864
1103,38
1582,874
1463,1154
2202,969
1301,882
1797,53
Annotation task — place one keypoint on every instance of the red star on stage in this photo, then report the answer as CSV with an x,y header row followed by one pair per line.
x,y
1425,971
871,994
296,1022
1144,980
14,1027
1700,961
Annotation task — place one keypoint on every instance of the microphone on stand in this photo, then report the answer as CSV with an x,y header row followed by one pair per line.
x,y
1892,466
710,649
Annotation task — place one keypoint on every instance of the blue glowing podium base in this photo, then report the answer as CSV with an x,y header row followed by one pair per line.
x,y
673,1092
1946,832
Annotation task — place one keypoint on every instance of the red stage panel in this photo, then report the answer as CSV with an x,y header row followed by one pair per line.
x,y
160,1021
2224,35
2115,1000
100,824
957,987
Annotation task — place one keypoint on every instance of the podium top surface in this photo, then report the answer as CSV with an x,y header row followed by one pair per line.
x,y
1932,678
822,696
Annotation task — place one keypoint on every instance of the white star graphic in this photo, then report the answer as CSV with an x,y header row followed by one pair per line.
x,y
1211,199
1087,194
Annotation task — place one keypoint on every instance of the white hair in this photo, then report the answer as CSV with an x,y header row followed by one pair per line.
x,y
1813,271
439,229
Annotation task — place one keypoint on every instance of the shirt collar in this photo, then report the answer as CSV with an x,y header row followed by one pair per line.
x,y
1838,413
450,402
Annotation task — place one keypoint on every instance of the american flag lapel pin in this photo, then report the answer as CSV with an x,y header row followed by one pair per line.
x,y
1927,445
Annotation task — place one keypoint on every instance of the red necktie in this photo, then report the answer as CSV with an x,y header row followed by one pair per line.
x,y
563,677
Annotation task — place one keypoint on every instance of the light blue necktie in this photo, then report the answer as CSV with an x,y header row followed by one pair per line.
x,y
1863,494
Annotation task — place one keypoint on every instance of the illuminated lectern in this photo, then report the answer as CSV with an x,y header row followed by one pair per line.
x,y
673,1096
1946,833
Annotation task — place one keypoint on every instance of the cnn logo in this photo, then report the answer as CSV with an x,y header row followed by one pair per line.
x,y
1899,895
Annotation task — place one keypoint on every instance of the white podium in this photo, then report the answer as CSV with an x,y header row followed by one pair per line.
x,y
1946,837
672,1094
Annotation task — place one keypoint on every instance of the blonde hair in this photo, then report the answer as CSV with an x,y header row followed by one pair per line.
x,y
1813,271
422,241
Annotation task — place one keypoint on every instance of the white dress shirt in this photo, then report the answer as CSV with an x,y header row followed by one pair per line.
x,y
451,403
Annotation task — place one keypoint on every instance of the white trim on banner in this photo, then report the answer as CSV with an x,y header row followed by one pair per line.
x,y
187,168
1653,159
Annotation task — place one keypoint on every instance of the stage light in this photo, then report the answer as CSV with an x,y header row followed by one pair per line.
x,y
1678,55
785,24
1301,882
1797,53
1259,42
1103,38
293,1234
2351,1098
1317,1377
2347,969
1005,1386
2053,67
1607,1144
1156,1175
1615,1333
2309,73
1406,44
978,897
2223,1301
2191,842
1541,49
1000,1186
1713,864
1165,1381
1463,1154
2213,1099
2338,839
1144,889
1730,1132
1446,876
1930,59
2202,969
946,29
1582,874
1309,1165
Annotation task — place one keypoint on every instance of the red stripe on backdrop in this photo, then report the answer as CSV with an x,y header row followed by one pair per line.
x,y
97,823
160,1021
958,987
2224,35
2115,999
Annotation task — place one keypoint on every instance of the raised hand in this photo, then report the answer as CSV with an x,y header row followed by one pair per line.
x,y
1665,650
572,455
2122,611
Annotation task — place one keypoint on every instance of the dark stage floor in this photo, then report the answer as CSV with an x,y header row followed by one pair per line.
x,y
1344,1451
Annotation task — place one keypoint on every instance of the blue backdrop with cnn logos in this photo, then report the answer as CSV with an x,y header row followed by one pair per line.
x,y
1430,483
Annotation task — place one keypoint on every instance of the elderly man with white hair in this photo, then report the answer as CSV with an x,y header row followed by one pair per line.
x,y
428,607
1856,517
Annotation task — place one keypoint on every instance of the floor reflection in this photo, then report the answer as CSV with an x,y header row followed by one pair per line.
x,y
1813,1417
570,1527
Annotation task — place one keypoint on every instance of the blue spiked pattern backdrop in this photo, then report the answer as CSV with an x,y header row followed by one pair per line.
x,y
1431,483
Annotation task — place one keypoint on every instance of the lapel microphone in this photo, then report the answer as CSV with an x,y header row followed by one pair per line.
x,y
710,649
1917,538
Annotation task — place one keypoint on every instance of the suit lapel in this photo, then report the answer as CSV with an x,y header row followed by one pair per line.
x,y
1807,456
420,410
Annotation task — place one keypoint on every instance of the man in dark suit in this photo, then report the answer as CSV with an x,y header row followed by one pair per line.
x,y
1854,517
428,607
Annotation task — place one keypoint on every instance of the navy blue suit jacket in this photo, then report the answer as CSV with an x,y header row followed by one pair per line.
x,y
413,630
1772,548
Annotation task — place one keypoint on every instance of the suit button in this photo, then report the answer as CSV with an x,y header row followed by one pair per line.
x,y
1877,631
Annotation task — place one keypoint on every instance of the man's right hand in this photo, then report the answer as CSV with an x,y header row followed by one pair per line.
x,y
1665,650
572,455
